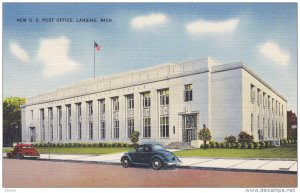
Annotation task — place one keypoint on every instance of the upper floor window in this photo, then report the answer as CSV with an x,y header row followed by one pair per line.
x,y
130,102
78,106
252,93
115,104
164,97
258,97
68,110
90,107
50,113
188,92
146,100
269,101
102,106
264,100
31,114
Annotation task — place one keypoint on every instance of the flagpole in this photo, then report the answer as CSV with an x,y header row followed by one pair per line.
x,y
94,61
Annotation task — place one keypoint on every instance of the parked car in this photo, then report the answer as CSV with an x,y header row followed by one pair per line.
x,y
21,151
154,155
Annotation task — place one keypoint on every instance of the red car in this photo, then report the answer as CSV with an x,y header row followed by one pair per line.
x,y
23,151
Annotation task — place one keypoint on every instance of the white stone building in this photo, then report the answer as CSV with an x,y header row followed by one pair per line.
x,y
166,103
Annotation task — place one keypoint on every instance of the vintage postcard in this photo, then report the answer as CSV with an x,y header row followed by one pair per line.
x,y
140,95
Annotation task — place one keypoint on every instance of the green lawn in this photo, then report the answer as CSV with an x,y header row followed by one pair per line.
x,y
286,151
78,150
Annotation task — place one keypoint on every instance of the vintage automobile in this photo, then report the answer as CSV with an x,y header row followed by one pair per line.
x,y
21,151
154,155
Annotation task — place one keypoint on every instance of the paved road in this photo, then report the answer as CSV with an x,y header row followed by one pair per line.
x,y
46,174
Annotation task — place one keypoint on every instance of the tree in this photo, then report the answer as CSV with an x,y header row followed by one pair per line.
x,y
12,119
205,135
134,138
245,138
230,139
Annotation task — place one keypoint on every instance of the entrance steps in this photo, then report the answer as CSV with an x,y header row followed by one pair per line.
x,y
179,145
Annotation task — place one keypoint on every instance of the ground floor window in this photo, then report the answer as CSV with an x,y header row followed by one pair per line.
x,y
130,126
90,130
102,130
79,130
164,127
147,127
60,131
116,128
69,131
51,132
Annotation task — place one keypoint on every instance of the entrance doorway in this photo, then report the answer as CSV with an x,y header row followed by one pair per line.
x,y
32,134
189,129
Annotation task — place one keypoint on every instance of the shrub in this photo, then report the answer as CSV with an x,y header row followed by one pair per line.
x,y
244,145
228,145
222,145
94,144
108,145
256,145
134,138
217,144
204,135
124,145
230,139
245,138
239,145
207,146
233,145
202,146
262,144
212,144
250,145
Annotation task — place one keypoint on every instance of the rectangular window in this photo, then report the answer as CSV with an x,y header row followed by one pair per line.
x,y
258,122
164,127
59,114
188,93
50,112
116,128
130,126
264,100
252,93
272,105
102,130
146,127
273,132
146,100
115,104
69,125
258,97
90,107
102,106
79,124
251,122
90,130
42,123
31,114
69,131
164,97
269,101
269,134
130,102
79,130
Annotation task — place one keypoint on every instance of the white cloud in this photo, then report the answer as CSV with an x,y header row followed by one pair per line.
x,y
53,53
19,52
146,21
203,26
273,52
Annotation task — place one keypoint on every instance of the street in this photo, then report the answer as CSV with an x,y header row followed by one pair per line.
x,y
46,174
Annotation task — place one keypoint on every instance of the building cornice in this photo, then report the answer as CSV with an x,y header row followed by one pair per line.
x,y
242,65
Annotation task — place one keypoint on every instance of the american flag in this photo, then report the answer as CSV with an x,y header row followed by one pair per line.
x,y
97,47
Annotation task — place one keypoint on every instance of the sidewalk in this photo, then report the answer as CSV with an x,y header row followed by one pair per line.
x,y
252,165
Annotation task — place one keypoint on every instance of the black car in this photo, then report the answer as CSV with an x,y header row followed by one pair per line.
x,y
150,154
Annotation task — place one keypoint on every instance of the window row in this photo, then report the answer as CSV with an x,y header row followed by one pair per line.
x,y
265,100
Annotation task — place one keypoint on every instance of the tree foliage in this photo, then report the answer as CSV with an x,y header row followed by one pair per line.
x,y
12,111
134,138
245,138
205,135
230,139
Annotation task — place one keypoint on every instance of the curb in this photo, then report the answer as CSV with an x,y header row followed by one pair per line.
x,y
184,167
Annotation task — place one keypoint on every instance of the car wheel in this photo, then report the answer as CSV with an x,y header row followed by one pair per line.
x,y
125,162
20,156
156,164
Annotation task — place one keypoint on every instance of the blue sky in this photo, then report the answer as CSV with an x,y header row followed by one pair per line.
x,y
41,56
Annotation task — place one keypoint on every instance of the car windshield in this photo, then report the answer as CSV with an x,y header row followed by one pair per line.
x,y
26,147
158,147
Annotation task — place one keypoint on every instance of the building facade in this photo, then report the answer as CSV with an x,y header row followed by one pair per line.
x,y
166,103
